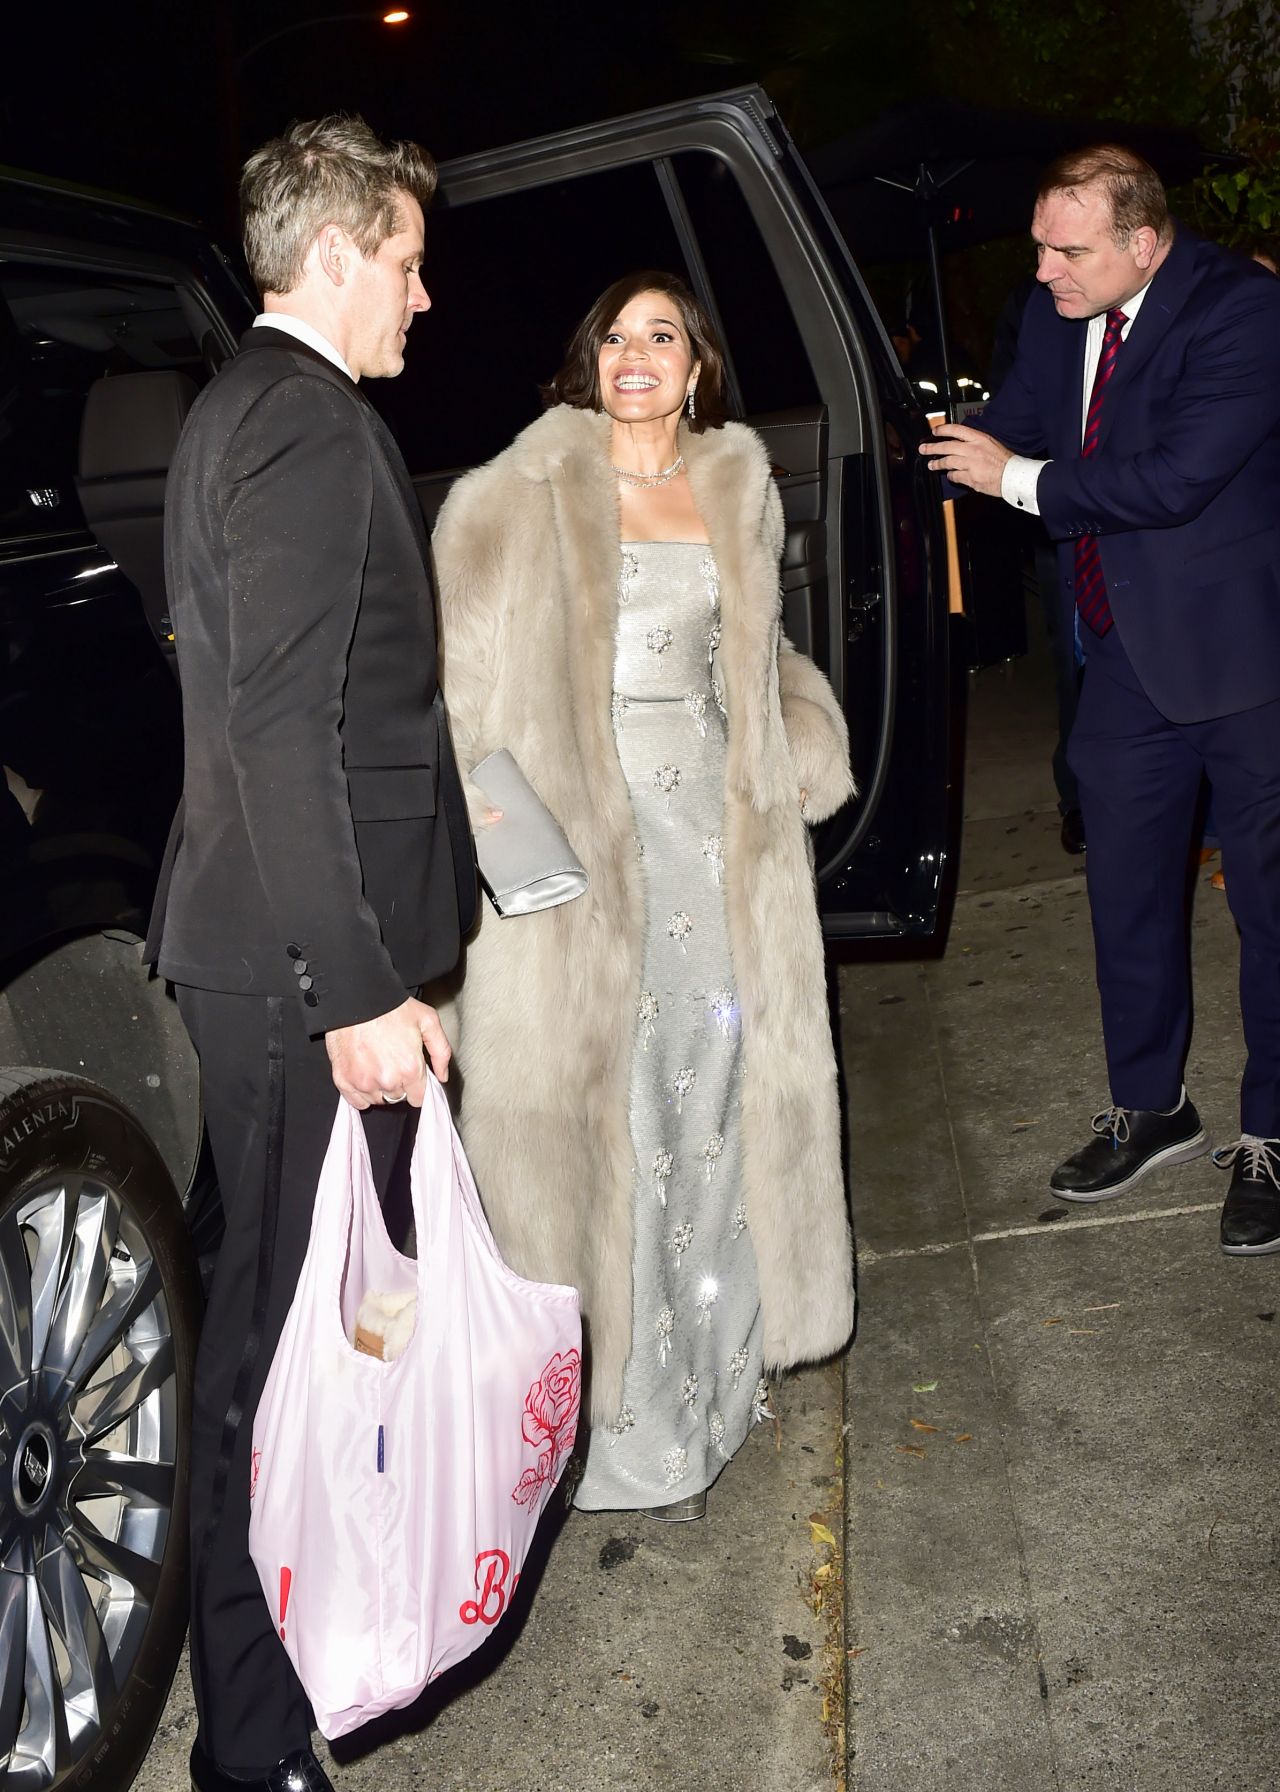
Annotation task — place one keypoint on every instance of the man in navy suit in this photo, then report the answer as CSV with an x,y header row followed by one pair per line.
x,y
1142,423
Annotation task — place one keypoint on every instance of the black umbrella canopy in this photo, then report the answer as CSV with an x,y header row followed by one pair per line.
x,y
970,171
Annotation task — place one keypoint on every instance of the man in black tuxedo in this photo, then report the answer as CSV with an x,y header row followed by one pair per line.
x,y
320,868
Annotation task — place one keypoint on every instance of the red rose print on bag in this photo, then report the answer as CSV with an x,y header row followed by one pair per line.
x,y
550,1423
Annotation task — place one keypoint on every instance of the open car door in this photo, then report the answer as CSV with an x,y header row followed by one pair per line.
x,y
520,243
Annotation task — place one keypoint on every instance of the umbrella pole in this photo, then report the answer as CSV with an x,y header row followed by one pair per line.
x,y
927,194
940,312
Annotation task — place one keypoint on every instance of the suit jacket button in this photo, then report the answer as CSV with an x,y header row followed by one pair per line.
x,y
299,968
305,982
311,999
294,951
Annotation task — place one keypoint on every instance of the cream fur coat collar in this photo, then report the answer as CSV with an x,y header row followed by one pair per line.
x,y
529,558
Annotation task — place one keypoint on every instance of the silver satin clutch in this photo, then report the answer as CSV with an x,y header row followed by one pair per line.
x,y
526,864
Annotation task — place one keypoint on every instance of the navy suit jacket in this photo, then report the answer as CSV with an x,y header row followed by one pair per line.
x,y
1183,490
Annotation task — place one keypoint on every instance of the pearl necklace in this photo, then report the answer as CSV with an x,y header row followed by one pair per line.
x,y
647,481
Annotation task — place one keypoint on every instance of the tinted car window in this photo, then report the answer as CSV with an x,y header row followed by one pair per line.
x,y
768,355
509,278
61,329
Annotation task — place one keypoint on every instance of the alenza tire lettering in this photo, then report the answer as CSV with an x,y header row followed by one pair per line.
x,y
33,1122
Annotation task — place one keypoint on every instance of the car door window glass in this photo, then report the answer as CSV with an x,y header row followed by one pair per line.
x,y
769,358
509,279
60,330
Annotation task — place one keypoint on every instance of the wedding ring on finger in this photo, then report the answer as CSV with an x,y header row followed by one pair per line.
x,y
388,1097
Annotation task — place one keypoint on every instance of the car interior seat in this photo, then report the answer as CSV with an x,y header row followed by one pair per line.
x,y
128,434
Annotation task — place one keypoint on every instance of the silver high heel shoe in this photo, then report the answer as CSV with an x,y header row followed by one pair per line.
x,y
679,1511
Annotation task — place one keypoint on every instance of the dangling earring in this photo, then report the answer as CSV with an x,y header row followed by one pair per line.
x,y
692,412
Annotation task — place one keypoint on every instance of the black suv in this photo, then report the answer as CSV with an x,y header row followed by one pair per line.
x,y
111,317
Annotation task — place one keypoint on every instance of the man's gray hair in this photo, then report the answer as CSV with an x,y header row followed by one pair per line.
x,y
328,171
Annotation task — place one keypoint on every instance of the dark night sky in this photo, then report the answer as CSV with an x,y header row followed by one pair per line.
x,y
154,99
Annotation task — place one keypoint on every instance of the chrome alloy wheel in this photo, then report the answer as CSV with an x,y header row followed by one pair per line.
x,y
88,1463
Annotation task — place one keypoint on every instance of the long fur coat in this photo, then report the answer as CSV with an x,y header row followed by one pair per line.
x,y
529,558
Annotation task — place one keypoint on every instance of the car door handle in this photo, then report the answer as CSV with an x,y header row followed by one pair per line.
x,y
860,608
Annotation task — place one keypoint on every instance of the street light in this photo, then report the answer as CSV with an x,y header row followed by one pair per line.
x,y
398,16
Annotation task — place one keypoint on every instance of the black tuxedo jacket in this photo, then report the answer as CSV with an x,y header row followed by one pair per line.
x,y
322,846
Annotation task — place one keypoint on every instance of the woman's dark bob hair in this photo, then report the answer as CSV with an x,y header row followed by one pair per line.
x,y
578,381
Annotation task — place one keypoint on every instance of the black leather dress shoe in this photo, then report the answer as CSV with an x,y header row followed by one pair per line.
x,y
298,1772
1072,833
1128,1143
1251,1211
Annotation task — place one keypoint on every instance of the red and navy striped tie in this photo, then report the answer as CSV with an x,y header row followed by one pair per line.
x,y
1091,587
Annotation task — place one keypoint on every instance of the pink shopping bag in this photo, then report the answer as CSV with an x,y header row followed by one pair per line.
x,y
394,1502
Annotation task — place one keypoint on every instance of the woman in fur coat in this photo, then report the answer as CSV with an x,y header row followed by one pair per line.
x,y
649,1088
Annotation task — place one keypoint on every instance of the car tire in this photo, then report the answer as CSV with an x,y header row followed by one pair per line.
x,y
99,1319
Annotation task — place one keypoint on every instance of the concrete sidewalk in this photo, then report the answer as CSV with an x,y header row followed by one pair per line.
x,y
684,1657
1062,1423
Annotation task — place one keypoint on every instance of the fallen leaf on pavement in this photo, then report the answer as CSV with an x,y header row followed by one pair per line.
x,y
821,1533
1051,1322
909,1450
923,1387
963,1437
919,1425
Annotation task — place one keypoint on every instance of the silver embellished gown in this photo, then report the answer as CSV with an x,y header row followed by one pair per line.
x,y
692,1385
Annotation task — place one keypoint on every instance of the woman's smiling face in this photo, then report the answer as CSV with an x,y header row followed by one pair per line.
x,y
646,363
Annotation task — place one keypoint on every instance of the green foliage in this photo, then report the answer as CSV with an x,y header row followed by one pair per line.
x,y
1241,206
833,65
1079,58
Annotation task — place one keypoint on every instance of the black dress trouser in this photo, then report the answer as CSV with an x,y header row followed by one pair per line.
x,y
269,1105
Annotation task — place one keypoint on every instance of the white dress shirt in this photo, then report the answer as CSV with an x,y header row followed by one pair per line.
x,y
305,332
1021,475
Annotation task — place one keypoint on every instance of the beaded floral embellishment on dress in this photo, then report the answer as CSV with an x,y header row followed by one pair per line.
x,y
696,704
630,573
667,780
723,1007
708,1294
663,1164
